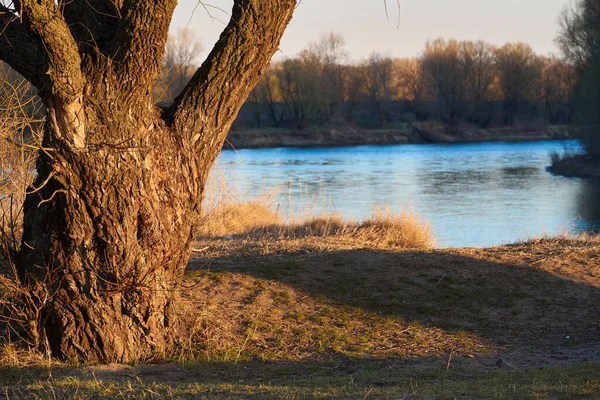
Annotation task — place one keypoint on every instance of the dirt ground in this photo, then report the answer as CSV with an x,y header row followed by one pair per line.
x,y
530,304
332,318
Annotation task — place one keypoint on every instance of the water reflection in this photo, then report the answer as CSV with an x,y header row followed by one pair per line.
x,y
473,194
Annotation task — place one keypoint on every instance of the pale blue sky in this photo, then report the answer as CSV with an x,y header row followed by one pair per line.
x,y
366,29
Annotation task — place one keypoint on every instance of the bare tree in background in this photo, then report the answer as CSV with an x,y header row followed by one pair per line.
x,y
445,72
20,126
266,94
519,74
557,83
479,74
579,37
353,90
579,40
377,80
410,83
331,51
181,55
299,84
109,222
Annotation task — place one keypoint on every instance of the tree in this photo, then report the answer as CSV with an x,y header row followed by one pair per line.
x,y
479,74
264,93
558,80
312,84
410,84
331,52
519,73
109,223
579,39
20,123
445,73
353,88
409,72
377,77
299,80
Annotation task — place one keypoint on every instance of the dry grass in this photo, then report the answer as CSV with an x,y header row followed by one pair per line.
x,y
236,317
382,229
235,219
255,221
370,379
356,323
229,213
403,230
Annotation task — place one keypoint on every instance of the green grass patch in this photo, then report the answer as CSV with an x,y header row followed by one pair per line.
x,y
353,379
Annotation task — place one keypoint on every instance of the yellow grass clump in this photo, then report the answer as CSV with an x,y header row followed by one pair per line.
x,y
382,228
405,229
255,219
237,218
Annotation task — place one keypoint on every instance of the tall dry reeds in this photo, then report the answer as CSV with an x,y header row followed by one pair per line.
x,y
239,216
382,229
282,213
229,211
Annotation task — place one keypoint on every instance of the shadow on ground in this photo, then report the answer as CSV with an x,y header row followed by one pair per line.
x,y
542,309
520,307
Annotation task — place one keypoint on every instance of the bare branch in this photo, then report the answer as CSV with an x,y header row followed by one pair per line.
x,y
387,15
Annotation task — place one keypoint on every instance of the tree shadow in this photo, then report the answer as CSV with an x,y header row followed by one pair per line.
x,y
535,302
540,309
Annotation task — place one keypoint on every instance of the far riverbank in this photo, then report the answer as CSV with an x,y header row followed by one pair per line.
x,y
414,133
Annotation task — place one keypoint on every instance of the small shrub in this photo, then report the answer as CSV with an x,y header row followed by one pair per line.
x,y
405,229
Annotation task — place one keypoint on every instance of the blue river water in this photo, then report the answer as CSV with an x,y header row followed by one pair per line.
x,y
479,194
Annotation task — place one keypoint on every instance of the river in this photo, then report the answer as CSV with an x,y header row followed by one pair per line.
x,y
479,194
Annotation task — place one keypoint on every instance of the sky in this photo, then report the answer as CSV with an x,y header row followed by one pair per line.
x,y
366,29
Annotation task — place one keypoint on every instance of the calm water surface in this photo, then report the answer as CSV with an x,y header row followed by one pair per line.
x,y
472,194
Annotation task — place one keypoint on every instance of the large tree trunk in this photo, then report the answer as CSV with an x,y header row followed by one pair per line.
x,y
109,223
108,235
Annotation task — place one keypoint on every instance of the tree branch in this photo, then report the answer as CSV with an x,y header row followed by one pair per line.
x,y
62,90
20,49
144,28
44,19
201,113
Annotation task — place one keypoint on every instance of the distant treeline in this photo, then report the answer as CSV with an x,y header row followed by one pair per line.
x,y
450,81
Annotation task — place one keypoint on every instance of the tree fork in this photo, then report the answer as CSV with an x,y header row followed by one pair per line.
x,y
109,224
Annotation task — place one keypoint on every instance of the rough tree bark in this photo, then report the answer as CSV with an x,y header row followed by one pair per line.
x,y
109,223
